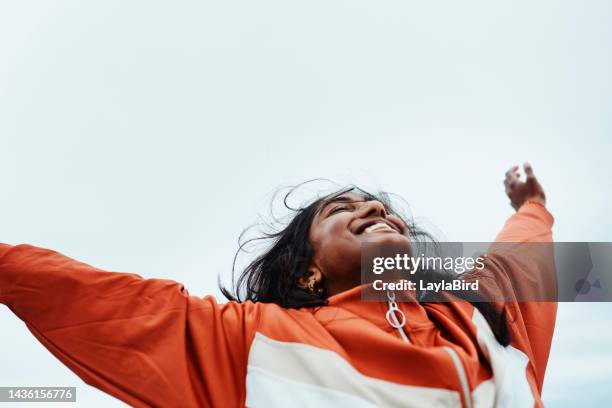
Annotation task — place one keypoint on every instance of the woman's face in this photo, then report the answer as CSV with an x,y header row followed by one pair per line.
x,y
339,229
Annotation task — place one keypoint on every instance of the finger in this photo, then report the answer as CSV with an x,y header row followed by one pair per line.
x,y
511,170
512,176
510,183
528,170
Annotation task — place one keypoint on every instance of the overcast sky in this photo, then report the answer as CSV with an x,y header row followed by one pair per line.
x,y
144,136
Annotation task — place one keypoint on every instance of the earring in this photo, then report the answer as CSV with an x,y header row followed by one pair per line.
x,y
311,285
311,288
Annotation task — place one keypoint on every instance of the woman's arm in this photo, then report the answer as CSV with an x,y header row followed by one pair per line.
x,y
521,263
144,341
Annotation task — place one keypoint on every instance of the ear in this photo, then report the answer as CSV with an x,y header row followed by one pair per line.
x,y
314,273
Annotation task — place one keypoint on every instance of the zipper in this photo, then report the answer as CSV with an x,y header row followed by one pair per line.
x,y
392,316
397,319
461,374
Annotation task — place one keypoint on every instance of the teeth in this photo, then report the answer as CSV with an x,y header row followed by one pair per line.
x,y
377,226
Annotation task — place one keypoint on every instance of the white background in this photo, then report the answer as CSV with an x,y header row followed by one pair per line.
x,y
144,136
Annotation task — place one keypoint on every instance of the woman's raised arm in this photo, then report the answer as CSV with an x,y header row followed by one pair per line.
x,y
144,341
521,270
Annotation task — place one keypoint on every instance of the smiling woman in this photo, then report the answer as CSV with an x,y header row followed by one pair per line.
x,y
295,330
325,235
329,234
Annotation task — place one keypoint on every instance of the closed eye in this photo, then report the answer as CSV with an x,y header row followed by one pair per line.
x,y
339,208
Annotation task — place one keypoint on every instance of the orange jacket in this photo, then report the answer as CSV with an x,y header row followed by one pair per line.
x,y
149,343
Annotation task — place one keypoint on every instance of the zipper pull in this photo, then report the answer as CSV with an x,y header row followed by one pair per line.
x,y
392,316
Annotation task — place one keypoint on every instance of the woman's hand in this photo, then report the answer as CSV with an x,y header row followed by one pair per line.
x,y
520,191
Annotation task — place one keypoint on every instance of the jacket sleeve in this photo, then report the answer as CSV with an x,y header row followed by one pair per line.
x,y
144,341
521,263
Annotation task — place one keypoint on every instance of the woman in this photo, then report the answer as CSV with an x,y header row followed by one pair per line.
x,y
302,337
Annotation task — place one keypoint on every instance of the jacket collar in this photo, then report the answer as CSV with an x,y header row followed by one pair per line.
x,y
354,300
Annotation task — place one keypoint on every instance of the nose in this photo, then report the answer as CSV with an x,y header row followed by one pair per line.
x,y
373,208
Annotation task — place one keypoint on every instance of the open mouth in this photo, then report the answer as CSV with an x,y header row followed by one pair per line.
x,y
376,226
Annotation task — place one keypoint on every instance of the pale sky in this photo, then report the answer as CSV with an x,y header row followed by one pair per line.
x,y
144,136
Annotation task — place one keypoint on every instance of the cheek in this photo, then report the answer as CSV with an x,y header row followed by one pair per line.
x,y
340,258
398,222
338,252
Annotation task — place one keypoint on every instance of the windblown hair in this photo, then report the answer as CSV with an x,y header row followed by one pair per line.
x,y
273,276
